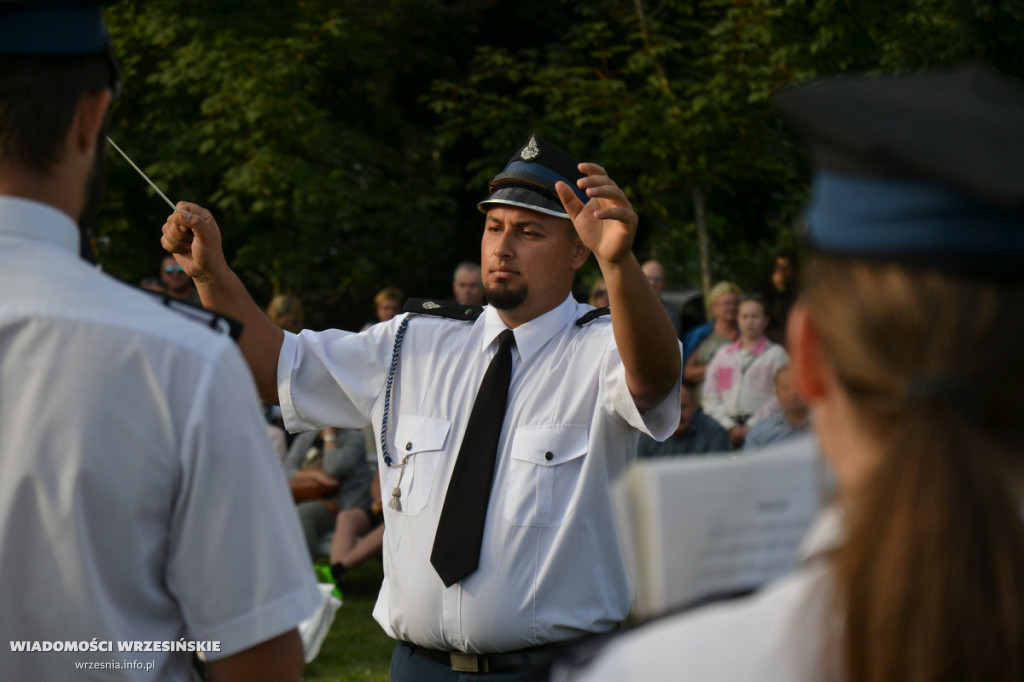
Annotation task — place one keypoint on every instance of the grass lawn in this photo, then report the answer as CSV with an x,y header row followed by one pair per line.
x,y
356,649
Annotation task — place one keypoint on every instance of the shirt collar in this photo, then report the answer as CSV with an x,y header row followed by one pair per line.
x,y
531,336
31,220
756,350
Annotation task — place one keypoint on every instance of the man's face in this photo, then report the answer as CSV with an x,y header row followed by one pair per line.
x,y
467,287
782,275
387,309
528,260
687,410
172,274
752,320
655,275
785,391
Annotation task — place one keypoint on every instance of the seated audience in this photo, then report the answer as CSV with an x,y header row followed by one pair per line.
x,y
176,283
327,473
655,273
697,433
598,294
285,310
358,535
701,343
780,294
153,284
386,304
741,376
467,286
793,419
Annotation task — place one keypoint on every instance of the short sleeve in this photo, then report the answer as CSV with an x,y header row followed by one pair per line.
x,y
333,377
660,421
237,562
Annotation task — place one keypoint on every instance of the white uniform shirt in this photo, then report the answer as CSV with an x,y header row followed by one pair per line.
x,y
139,496
550,566
779,634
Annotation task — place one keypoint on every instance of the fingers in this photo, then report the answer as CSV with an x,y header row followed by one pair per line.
x,y
597,184
623,214
612,203
592,169
570,201
176,238
194,217
188,222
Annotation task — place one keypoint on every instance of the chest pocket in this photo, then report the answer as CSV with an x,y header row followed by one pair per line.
x,y
544,469
419,442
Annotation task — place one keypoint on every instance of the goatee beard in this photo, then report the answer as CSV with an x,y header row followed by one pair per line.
x,y
504,298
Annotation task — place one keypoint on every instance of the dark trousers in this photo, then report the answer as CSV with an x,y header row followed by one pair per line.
x,y
407,666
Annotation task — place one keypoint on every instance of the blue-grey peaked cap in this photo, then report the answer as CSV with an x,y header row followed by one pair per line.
x,y
529,178
925,169
55,28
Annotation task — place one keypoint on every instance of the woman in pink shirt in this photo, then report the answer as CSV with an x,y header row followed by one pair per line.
x,y
739,383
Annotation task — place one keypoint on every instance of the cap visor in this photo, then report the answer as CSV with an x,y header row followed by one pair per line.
x,y
524,198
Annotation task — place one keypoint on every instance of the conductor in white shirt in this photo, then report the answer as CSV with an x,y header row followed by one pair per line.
x,y
545,568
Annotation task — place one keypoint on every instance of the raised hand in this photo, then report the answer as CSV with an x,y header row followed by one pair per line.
x,y
193,238
607,223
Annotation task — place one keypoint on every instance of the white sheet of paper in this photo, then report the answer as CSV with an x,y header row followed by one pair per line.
x,y
695,527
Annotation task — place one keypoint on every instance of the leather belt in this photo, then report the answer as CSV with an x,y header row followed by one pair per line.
x,y
509,661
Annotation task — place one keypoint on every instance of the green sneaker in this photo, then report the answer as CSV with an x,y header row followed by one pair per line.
x,y
323,575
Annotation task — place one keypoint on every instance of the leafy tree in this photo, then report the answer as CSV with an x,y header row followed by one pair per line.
x,y
343,145
676,99
291,123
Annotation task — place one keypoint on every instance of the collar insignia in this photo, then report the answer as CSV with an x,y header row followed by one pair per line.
x,y
430,305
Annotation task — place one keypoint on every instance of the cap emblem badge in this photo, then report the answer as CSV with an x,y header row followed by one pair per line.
x,y
531,151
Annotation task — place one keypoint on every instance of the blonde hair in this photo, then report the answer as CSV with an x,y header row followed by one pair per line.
x,y
721,289
930,578
287,305
388,294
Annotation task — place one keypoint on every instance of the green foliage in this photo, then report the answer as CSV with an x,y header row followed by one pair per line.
x,y
343,145
676,98
287,123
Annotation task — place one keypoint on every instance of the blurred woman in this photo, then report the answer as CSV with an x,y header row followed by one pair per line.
x,y
701,343
285,310
905,345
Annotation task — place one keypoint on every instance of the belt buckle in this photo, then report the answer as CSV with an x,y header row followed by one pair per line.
x,y
468,663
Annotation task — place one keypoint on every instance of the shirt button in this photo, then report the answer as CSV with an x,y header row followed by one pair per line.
x,y
549,455
408,446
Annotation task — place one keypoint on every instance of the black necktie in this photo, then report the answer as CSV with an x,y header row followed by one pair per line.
x,y
460,529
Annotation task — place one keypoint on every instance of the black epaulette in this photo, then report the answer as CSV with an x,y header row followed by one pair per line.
x,y
218,323
453,311
593,315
